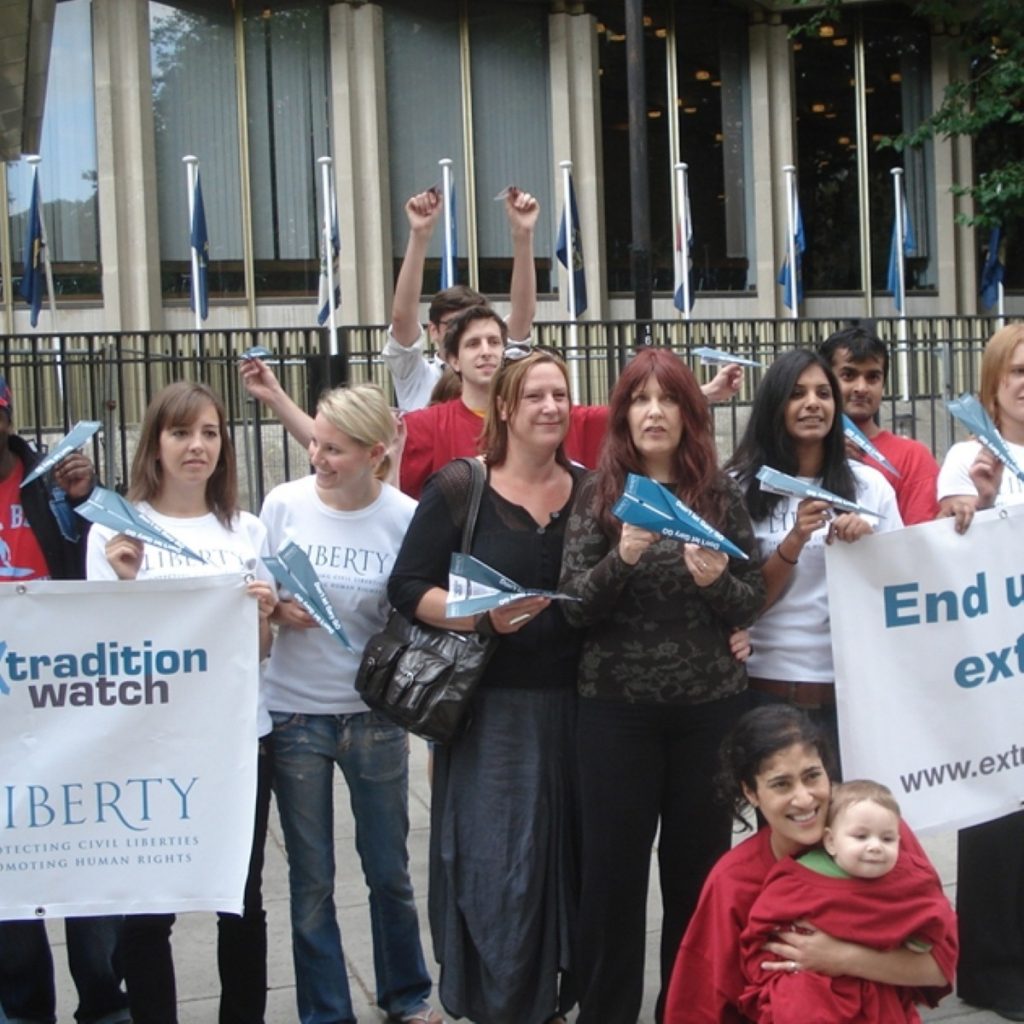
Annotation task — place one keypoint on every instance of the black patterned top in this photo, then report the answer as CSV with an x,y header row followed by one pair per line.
x,y
654,636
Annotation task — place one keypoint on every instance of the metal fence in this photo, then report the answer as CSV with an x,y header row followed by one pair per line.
x,y
58,380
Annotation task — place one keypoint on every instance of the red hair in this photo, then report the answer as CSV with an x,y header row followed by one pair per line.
x,y
698,480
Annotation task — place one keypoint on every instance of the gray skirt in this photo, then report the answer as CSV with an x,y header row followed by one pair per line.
x,y
503,879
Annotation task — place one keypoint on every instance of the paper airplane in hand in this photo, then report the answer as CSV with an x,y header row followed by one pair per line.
x,y
775,482
108,508
292,568
971,413
714,355
474,587
649,505
68,445
855,435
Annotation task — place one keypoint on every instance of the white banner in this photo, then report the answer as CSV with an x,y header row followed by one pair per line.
x,y
128,740
928,634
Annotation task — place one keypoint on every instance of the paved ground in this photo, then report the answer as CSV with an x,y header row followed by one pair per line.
x,y
195,934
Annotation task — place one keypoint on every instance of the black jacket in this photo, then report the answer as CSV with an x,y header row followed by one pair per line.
x,y
66,559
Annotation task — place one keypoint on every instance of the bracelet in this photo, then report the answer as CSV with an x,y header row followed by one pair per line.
x,y
788,561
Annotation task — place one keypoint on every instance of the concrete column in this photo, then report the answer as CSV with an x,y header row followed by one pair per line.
x,y
126,165
576,136
774,144
955,248
359,130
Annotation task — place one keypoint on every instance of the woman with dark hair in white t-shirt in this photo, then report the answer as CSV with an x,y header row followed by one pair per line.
x,y
183,477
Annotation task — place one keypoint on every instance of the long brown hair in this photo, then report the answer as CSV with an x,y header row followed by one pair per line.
x,y
699,482
505,396
178,405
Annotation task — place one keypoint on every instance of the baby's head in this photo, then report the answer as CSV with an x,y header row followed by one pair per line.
x,y
863,829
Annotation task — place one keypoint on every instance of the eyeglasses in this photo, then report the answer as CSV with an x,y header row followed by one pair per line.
x,y
513,353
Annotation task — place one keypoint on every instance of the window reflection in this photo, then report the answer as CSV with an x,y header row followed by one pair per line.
x,y
67,171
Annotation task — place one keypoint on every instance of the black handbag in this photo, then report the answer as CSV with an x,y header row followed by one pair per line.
x,y
422,677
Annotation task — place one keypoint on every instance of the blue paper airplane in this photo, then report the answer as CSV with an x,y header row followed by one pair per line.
x,y
791,487
474,587
857,436
292,568
256,352
971,413
68,445
715,355
108,508
649,505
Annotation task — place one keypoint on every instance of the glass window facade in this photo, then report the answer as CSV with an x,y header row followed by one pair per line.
x,y
706,90
67,170
894,94
504,95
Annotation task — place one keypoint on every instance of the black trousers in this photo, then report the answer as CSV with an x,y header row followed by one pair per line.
x,y
990,906
241,943
643,767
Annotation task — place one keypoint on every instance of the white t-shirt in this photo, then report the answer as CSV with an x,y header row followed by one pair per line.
x,y
955,477
353,553
792,639
236,550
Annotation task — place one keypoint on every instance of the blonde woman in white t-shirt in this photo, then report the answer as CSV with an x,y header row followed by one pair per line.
x,y
990,856
183,476
351,524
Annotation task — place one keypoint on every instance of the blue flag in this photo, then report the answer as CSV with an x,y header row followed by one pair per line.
x,y
33,277
579,276
993,270
799,245
450,254
909,248
201,243
324,313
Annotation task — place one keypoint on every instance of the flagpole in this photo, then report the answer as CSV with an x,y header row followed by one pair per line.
x,y
33,162
325,163
448,256
683,251
191,167
794,285
570,275
901,284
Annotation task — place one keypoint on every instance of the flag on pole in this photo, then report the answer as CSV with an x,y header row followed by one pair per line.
x,y
201,244
562,252
798,247
323,303
33,278
895,256
682,298
993,270
450,256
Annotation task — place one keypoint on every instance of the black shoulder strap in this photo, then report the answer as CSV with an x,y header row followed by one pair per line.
x,y
476,492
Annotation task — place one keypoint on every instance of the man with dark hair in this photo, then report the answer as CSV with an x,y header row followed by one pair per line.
x,y
41,538
860,360
413,373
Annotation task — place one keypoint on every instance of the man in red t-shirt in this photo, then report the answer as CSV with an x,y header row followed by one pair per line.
x,y
860,360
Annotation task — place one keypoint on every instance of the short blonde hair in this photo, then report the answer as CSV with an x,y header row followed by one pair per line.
x,y
361,412
995,363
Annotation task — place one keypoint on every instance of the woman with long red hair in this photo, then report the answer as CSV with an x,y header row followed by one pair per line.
x,y
658,683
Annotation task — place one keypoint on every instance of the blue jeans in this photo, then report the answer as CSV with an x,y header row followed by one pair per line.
x,y
26,970
373,755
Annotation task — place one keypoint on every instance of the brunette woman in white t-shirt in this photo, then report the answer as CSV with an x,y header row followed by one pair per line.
x,y
795,427
990,856
183,477
350,524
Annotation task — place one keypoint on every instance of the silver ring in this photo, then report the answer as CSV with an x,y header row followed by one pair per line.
x,y
792,967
